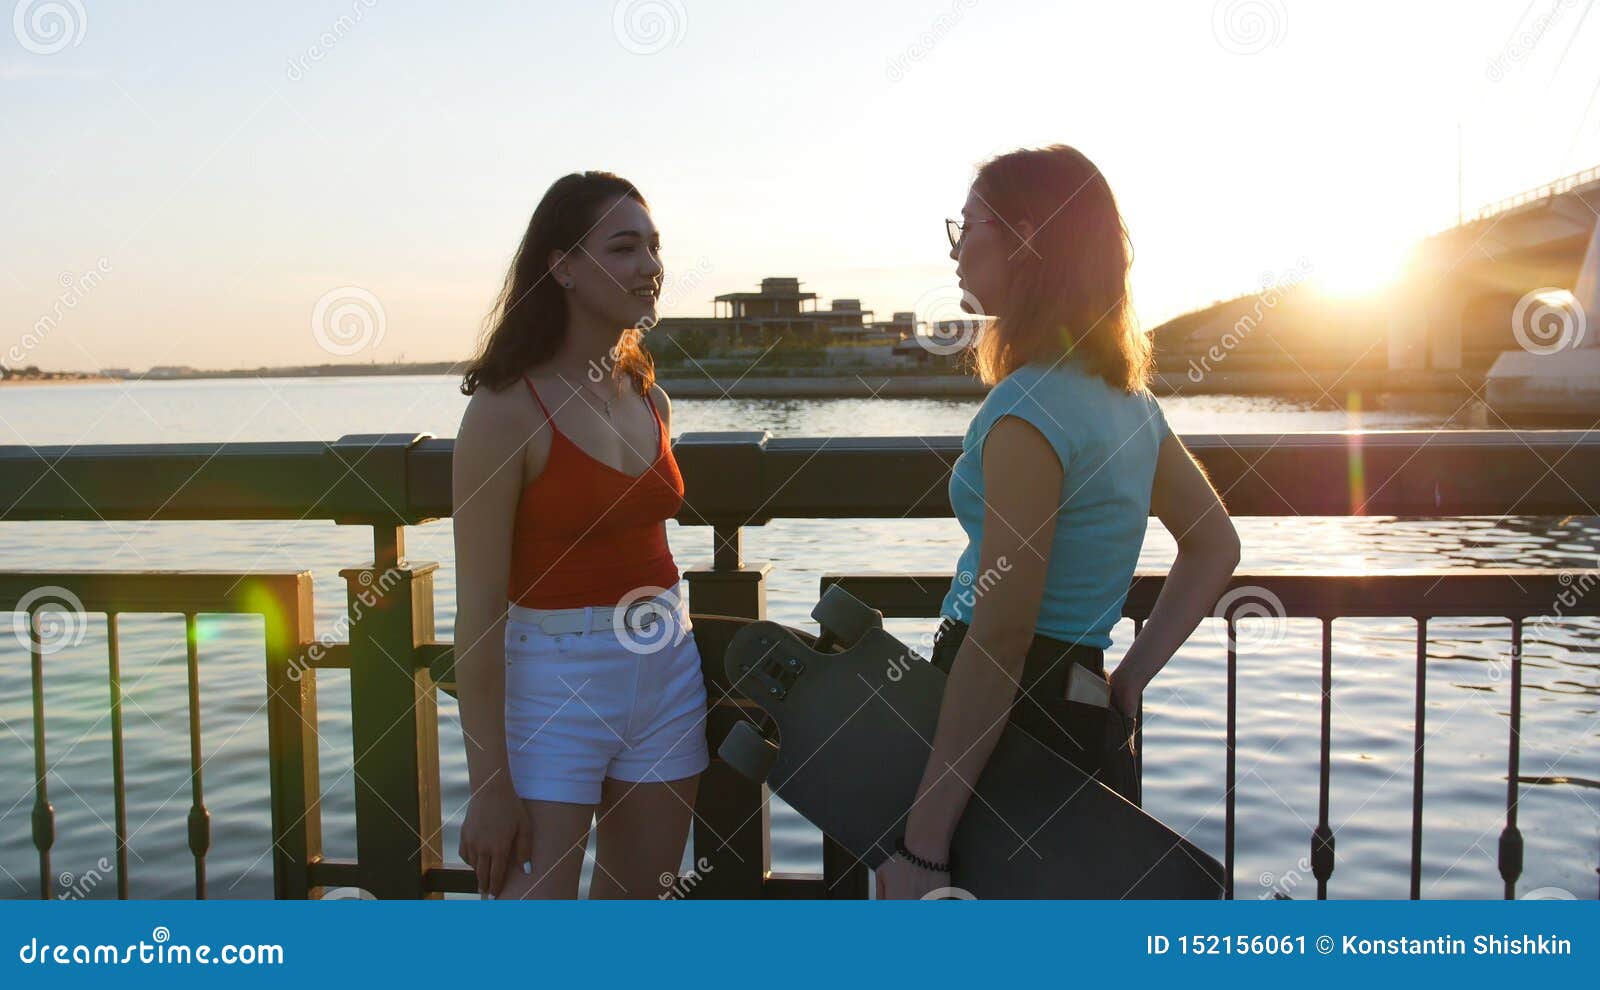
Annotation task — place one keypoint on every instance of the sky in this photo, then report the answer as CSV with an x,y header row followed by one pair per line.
x,y
229,185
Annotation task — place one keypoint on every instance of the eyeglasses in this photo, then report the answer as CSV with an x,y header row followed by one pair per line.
x,y
955,229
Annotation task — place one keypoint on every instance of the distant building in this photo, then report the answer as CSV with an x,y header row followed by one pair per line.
x,y
902,326
169,371
116,373
944,345
781,310
759,319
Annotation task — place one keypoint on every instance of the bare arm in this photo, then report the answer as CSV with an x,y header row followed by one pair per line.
x,y
1022,491
1208,551
486,480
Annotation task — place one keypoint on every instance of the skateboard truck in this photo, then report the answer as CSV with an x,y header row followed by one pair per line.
x,y
748,751
774,674
747,747
843,619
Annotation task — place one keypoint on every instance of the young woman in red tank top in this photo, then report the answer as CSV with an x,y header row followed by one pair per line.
x,y
582,698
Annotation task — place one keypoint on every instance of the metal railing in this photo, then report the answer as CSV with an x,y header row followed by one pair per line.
x,y
284,603
1555,188
732,480
1515,594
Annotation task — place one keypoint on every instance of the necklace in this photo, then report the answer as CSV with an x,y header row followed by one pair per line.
x,y
588,392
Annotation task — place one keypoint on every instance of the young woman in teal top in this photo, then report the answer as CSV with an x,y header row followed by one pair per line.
x,y
1059,472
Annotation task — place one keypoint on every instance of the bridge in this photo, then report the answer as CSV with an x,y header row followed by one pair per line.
x,y
1470,294
1458,307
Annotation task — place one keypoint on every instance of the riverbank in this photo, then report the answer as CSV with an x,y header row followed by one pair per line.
x,y
881,385
63,380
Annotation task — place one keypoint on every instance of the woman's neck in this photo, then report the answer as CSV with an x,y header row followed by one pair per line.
x,y
589,348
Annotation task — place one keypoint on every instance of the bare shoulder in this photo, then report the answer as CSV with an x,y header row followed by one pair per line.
x,y
495,409
658,395
498,423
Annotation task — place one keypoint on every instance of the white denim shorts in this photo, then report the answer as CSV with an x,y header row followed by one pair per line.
x,y
583,706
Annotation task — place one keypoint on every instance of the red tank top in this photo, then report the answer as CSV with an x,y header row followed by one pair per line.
x,y
589,534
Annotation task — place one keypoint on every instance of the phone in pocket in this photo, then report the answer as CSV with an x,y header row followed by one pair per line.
x,y
1086,687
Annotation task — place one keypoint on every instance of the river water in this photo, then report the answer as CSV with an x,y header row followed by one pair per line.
x,y
1278,686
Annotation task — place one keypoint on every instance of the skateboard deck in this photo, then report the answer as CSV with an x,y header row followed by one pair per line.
x,y
854,730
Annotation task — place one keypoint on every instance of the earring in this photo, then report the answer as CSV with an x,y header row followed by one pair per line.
x,y
566,285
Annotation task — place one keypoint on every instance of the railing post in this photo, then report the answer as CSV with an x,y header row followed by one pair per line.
x,y
729,586
1419,741
732,814
292,743
199,817
1510,857
725,489
394,721
44,813
1322,839
1230,760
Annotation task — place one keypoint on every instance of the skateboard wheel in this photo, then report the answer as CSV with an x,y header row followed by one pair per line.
x,y
844,616
748,751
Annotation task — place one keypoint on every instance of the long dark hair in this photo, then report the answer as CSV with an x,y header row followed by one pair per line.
x,y
1069,295
529,320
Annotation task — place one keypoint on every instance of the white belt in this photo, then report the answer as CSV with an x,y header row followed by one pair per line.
x,y
554,621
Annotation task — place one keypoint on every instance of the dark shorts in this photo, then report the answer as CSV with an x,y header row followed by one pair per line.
x,y
1099,741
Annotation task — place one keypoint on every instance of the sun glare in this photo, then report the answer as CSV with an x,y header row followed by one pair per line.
x,y
1362,265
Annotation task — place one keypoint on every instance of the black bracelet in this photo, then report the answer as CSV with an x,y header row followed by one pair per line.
x,y
926,864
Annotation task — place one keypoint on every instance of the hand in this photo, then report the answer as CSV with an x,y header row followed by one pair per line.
x,y
900,879
496,833
1126,690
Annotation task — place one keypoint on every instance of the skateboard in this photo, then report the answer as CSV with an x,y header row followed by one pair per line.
x,y
854,715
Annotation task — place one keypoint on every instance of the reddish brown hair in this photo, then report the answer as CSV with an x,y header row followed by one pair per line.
x,y
1068,295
